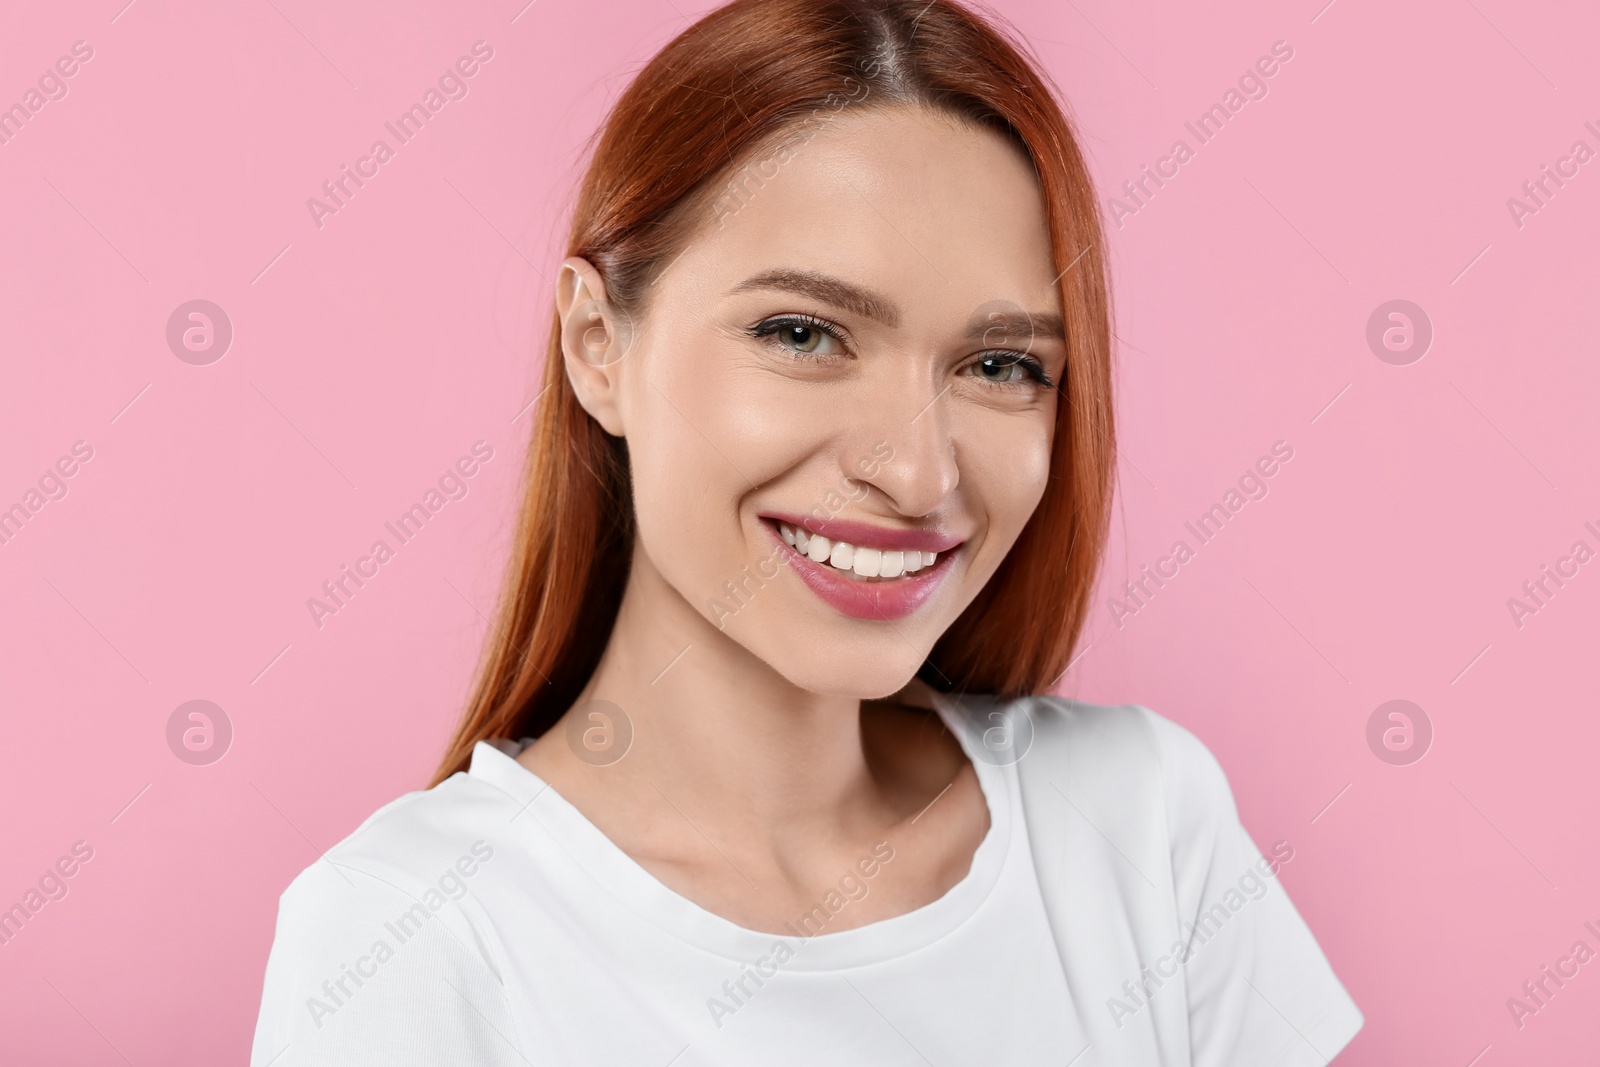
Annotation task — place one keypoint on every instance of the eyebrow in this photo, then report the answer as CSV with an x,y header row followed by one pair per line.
x,y
865,302
825,287
1018,324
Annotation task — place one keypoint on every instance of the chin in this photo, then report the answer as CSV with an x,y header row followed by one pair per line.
x,y
865,675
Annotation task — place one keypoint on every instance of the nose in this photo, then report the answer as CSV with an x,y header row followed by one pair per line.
x,y
906,451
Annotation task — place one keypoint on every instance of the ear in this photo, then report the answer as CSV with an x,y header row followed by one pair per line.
x,y
594,337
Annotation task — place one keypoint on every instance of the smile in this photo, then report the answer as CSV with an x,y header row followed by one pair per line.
x,y
864,571
853,561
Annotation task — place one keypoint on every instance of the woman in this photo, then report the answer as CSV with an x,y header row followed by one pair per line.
x,y
758,769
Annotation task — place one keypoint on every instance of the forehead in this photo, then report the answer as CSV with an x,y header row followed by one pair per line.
x,y
941,214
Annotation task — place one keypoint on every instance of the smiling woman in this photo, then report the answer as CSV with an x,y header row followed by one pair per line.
x,y
888,371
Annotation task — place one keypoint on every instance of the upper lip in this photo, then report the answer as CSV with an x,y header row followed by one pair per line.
x,y
866,535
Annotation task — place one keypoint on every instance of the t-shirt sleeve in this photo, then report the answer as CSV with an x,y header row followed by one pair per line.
x,y
368,969
1261,992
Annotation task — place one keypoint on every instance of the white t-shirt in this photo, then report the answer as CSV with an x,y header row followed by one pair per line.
x,y
487,921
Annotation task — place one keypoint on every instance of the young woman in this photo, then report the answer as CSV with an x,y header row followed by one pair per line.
x,y
760,769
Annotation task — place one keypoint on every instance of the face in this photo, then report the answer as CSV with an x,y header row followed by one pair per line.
x,y
839,402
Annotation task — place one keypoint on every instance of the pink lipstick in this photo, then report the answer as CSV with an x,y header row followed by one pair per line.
x,y
866,571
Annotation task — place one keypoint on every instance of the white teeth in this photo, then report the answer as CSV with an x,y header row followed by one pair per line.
x,y
856,561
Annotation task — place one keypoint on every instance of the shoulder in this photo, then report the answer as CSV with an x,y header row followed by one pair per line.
x,y
407,846
1142,745
1195,807
1135,828
1133,736
1059,732
420,861
1123,731
395,898
1134,764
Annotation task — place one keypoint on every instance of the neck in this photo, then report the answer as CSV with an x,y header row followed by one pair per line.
x,y
711,719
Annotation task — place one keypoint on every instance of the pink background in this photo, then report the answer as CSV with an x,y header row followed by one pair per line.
x,y
370,353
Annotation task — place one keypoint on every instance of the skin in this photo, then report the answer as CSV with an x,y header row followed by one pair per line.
x,y
772,747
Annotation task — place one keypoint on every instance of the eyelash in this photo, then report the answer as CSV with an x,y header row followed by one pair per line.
x,y
767,329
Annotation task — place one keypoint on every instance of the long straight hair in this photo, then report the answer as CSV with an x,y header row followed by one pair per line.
x,y
742,79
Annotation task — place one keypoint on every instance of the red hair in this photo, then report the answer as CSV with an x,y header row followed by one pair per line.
x,y
742,79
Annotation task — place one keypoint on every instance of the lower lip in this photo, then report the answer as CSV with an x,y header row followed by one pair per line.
x,y
882,601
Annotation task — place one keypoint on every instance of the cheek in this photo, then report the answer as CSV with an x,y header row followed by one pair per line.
x,y
1009,473
718,423
700,436
683,485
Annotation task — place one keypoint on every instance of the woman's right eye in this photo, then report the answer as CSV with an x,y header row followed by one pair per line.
x,y
801,336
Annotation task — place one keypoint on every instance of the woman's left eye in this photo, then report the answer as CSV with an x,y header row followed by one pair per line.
x,y
800,335
1010,368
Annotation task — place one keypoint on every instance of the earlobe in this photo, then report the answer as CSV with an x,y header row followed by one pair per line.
x,y
594,337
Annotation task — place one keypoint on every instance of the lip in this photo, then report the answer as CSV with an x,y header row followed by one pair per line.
x,y
874,601
865,535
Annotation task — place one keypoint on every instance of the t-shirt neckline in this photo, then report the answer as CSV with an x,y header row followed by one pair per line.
x,y
547,818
